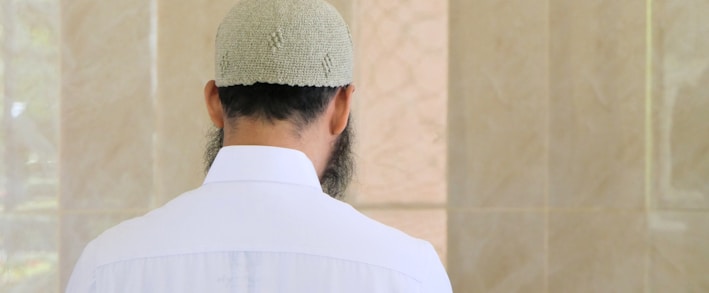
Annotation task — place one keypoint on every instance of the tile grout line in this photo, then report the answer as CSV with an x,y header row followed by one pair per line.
x,y
648,137
153,39
59,218
548,154
545,272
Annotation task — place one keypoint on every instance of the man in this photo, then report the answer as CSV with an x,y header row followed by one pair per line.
x,y
263,221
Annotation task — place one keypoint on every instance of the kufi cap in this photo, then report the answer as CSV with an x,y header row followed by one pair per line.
x,y
288,42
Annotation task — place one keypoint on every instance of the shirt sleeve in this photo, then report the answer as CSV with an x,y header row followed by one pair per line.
x,y
82,278
436,279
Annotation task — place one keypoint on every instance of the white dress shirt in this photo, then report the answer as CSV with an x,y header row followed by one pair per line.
x,y
260,223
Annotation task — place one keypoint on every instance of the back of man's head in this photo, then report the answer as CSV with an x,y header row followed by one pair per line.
x,y
285,64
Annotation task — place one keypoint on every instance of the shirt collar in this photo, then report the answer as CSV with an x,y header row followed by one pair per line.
x,y
263,163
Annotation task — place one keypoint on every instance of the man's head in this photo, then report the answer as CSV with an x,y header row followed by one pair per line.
x,y
283,78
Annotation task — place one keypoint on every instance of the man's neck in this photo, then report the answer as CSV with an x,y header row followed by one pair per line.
x,y
277,134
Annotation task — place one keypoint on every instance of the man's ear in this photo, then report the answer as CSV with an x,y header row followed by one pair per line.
x,y
214,104
342,103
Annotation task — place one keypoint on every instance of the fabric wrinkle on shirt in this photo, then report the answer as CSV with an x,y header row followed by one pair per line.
x,y
259,223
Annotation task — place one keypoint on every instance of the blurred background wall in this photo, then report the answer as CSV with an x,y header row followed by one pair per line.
x,y
541,146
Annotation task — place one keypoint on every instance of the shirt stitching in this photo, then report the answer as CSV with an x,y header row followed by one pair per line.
x,y
167,255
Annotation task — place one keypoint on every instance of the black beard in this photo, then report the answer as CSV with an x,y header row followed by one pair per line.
x,y
340,166
215,141
338,171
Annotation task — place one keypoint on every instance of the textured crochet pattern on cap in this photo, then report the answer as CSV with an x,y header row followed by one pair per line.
x,y
288,42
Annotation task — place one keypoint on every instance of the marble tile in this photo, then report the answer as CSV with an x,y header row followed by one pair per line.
x,y
186,33
679,255
597,103
597,251
496,251
106,113
681,104
498,103
428,224
400,102
77,230
30,105
28,253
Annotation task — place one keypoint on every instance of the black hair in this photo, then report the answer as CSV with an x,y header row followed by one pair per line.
x,y
274,102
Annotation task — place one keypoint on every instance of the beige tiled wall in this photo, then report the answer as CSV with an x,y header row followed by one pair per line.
x,y
596,104
106,121
680,105
541,146
184,52
678,194
106,113
400,115
401,98
578,135
597,251
498,103
496,251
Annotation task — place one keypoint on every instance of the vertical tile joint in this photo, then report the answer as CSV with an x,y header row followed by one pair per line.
x,y
648,137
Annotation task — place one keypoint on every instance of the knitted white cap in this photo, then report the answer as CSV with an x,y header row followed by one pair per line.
x,y
288,42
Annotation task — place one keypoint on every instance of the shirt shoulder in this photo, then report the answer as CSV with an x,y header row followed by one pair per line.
x,y
262,217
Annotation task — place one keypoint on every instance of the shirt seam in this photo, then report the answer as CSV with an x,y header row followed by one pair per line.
x,y
259,251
